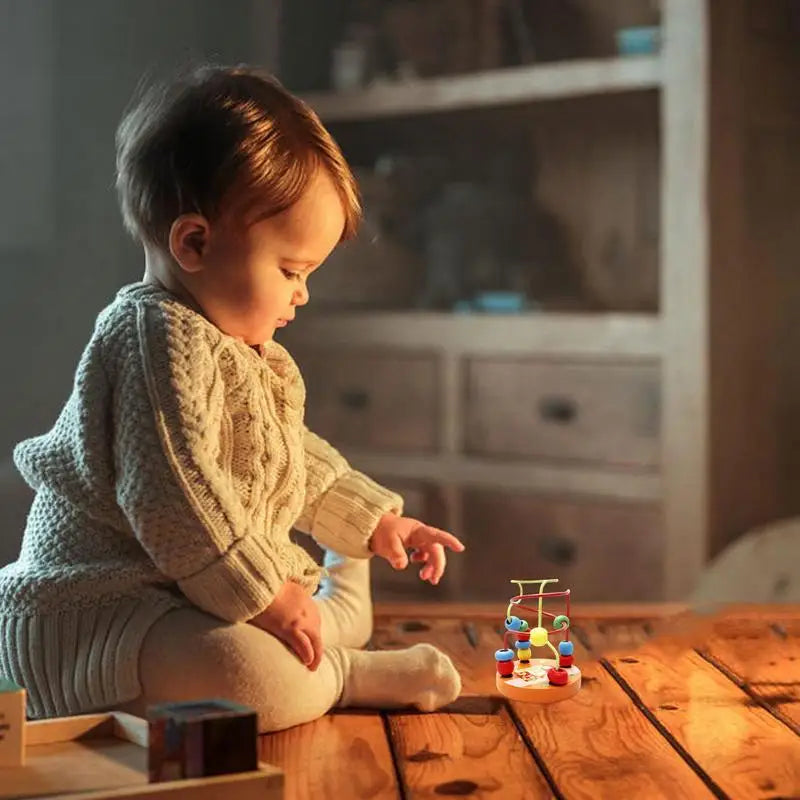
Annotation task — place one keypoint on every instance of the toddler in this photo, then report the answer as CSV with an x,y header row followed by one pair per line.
x,y
157,562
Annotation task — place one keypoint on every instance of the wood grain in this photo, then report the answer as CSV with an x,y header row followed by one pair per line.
x,y
763,657
743,749
600,739
477,755
340,755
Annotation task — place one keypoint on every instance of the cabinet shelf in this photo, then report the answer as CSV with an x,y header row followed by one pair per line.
x,y
606,335
511,85
512,475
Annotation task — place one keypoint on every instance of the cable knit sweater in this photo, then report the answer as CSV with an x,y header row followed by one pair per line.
x,y
173,476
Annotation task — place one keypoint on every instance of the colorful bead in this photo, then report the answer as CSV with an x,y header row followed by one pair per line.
x,y
505,668
566,648
514,624
523,651
505,654
557,677
539,637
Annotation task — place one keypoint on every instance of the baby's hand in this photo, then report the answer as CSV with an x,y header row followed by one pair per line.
x,y
293,617
394,535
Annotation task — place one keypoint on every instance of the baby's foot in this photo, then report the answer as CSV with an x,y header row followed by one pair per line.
x,y
420,676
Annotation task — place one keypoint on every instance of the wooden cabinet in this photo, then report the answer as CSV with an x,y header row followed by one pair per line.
x,y
643,415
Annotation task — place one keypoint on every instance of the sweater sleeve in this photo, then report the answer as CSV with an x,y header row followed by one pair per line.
x,y
342,505
183,506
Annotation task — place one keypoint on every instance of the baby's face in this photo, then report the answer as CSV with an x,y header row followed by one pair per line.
x,y
256,269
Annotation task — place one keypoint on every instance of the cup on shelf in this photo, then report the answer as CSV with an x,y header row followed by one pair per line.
x,y
639,41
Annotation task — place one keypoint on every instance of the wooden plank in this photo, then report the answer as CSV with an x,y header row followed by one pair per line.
x,y
763,658
67,729
469,644
685,293
741,747
475,746
599,738
509,474
343,754
490,88
478,755
608,335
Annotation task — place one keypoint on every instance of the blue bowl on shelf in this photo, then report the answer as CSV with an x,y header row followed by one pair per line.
x,y
494,303
641,41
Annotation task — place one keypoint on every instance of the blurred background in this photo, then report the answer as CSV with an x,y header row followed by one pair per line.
x,y
568,329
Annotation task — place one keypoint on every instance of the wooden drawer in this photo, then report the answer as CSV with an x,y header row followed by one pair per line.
x,y
387,400
592,412
608,551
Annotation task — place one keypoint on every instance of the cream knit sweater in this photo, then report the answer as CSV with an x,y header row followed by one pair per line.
x,y
173,476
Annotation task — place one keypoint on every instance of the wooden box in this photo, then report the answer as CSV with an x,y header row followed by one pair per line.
x,y
98,756
12,724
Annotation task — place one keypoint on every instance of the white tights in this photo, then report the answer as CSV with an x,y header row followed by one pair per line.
x,y
190,655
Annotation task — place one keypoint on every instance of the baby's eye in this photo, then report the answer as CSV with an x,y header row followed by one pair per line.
x,y
289,275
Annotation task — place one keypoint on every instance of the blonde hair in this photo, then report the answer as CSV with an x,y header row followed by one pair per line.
x,y
188,146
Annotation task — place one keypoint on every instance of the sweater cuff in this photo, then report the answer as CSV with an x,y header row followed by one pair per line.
x,y
349,513
244,581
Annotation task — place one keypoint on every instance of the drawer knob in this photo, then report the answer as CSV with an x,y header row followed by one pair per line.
x,y
558,551
354,399
561,410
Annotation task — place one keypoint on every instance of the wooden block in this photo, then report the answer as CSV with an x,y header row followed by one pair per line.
x,y
12,724
201,738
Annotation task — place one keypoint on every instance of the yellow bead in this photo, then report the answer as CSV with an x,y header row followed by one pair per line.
x,y
538,637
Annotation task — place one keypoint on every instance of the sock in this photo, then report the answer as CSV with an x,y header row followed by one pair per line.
x,y
419,676
345,601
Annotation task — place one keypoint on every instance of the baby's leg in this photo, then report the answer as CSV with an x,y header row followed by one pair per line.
x,y
190,655
345,601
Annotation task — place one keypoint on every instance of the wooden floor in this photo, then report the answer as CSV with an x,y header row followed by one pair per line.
x,y
718,719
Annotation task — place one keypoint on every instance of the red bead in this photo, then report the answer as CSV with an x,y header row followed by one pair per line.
x,y
505,668
566,661
557,677
524,637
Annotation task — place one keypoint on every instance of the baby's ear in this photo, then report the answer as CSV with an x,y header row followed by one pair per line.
x,y
188,241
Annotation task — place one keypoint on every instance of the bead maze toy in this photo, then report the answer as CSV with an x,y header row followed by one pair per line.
x,y
537,680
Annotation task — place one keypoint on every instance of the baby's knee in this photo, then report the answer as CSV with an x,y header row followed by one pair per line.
x,y
194,657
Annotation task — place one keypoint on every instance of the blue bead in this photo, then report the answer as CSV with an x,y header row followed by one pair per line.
x,y
513,624
523,645
566,648
504,655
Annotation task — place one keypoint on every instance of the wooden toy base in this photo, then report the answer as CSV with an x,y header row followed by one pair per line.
x,y
529,682
105,756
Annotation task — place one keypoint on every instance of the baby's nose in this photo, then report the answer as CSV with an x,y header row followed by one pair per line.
x,y
301,295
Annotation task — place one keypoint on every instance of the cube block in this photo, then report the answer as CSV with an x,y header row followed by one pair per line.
x,y
200,738
12,724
